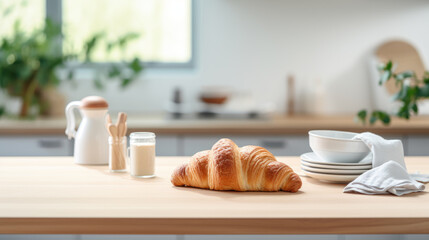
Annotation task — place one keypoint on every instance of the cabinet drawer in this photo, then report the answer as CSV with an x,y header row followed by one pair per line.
x,y
417,146
167,145
278,145
35,146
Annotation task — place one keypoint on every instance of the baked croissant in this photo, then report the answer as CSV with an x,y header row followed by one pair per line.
x,y
228,167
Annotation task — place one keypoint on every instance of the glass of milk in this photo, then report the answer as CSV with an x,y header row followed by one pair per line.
x,y
142,154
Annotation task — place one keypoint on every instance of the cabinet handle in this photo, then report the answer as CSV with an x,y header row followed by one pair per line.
x,y
273,144
50,143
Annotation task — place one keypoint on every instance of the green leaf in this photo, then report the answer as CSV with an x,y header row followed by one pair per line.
x,y
404,111
125,82
109,47
372,119
8,11
379,116
423,91
386,73
26,72
401,94
53,79
404,75
412,93
114,71
91,44
2,110
98,84
136,66
383,116
385,76
361,116
415,108
123,41
70,75
426,77
388,66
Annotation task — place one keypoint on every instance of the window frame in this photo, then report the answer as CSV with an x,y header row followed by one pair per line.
x,y
54,12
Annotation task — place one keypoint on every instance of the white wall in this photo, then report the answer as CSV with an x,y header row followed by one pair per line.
x,y
252,45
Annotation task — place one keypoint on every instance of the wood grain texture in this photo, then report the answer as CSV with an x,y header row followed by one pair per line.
x,y
212,226
53,195
277,125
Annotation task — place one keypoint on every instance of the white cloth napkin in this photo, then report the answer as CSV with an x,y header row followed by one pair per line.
x,y
423,178
389,173
387,178
382,150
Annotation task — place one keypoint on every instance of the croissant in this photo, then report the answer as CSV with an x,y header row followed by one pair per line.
x,y
228,167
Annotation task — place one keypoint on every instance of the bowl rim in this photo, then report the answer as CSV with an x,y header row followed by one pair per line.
x,y
311,133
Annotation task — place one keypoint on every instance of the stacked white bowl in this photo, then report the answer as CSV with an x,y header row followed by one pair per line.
x,y
337,146
336,156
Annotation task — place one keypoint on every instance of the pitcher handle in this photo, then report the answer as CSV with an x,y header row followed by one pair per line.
x,y
71,122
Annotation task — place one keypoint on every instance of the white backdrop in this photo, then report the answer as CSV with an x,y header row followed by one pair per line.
x,y
251,45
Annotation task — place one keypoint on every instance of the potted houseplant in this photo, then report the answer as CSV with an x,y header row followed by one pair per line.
x,y
30,62
412,89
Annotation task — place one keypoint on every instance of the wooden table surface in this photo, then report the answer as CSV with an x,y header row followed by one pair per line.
x,y
51,195
275,125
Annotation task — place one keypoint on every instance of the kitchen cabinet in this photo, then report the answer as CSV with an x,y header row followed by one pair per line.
x,y
372,237
188,145
86,237
417,145
38,237
259,237
167,145
35,146
306,237
128,237
415,237
291,145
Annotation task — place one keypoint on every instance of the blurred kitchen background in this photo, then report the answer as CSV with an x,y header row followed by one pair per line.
x,y
230,63
193,71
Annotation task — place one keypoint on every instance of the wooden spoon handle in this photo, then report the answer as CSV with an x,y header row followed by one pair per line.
x,y
113,130
122,118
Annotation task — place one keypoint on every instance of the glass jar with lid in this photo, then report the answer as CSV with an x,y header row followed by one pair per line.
x,y
142,154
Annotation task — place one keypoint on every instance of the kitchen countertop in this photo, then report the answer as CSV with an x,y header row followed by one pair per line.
x,y
275,125
51,195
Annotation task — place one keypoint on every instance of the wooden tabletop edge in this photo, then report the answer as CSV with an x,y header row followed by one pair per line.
x,y
214,226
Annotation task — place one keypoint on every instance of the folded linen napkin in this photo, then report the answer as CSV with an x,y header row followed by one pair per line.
x,y
389,173
390,177
382,150
423,178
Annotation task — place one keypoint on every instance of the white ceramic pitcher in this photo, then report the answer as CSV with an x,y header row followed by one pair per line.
x,y
91,139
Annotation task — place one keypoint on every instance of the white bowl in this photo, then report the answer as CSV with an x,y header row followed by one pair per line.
x,y
337,146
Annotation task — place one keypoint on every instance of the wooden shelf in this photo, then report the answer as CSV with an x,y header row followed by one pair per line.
x,y
276,125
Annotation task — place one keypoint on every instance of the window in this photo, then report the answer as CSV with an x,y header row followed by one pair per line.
x,y
164,26
31,15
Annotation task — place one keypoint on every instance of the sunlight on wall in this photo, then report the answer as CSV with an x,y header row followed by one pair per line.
x,y
164,27
31,15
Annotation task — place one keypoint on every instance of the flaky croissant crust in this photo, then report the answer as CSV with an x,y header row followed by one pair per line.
x,y
228,167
